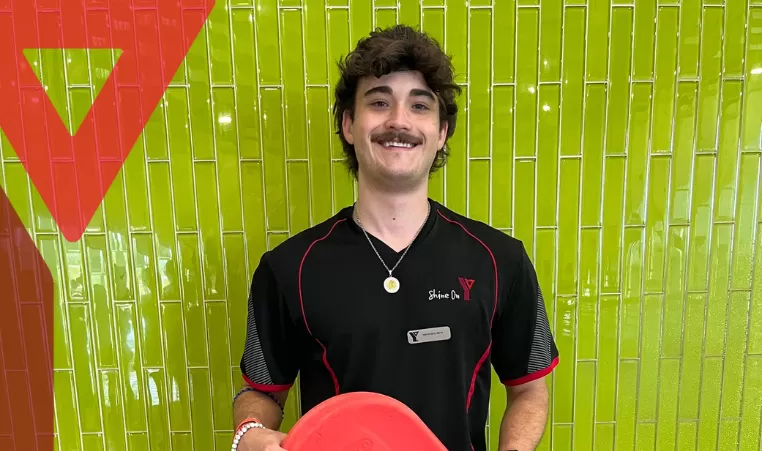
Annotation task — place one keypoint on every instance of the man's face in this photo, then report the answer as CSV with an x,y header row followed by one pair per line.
x,y
395,130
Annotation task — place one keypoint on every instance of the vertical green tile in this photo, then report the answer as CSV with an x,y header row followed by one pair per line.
x,y
504,33
719,271
409,13
191,286
733,369
690,34
666,427
254,220
218,32
434,24
523,225
148,299
701,223
164,229
136,190
640,123
209,223
691,356
755,315
319,132
587,315
632,268
138,441
456,38
584,415
746,218
361,19
592,154
111,408
734,41
752,398
86,378
604,436
656,229
100,299
551,17
711,385
267,41
728,434
457,165
564,382
219,360
545,257
338,46
673,319
43,219
246,83
182,440
752,130
619,81
315,44
547,154
156,133
92,442
343,186
573,86
234,246
685,116
613,203
645,438
569,221
649,358
598,12
686,436
643,40
299,195
75,272
175,365
201,406
157,402
16,177
49,249
664,78
293,84
274,164
526,81
68,423
709,76
479,67
727,156
181,158
502,156
227,159
120,258
130,366
563,437
627,404
479,190
606,377
386,17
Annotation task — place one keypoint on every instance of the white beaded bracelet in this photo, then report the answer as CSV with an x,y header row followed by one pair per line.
x,y
242,430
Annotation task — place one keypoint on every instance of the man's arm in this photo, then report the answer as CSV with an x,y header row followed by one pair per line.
x,y
254,404
524,420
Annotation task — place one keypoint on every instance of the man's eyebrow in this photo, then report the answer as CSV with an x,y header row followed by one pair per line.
x,y
422,93
382,89
413,92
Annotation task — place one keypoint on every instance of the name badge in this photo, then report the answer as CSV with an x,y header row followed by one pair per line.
x,y
415,337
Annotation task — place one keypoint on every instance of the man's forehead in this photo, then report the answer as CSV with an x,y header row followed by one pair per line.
x,y
400,82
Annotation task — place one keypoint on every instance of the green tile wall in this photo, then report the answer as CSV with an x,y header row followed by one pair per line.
x,y
620,140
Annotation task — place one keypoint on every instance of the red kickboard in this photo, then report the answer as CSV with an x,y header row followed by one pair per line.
x,y
361,421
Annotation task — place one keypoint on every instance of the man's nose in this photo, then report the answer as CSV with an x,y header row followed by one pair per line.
x,y
398,118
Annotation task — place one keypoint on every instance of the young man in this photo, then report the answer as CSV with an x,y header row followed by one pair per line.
x,y
397,294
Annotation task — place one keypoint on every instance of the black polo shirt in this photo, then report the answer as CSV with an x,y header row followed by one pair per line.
x,y
468,299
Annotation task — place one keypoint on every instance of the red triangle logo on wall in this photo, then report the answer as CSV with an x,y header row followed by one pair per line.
x,y
73,173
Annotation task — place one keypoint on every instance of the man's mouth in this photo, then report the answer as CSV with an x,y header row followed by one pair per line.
x,y
397,141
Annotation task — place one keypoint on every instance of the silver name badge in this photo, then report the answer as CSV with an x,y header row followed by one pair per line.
x,y
415,337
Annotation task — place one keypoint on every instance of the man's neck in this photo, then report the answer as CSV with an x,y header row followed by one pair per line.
x,y
394,218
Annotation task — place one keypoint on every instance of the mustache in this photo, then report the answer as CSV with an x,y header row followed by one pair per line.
x,y
396,136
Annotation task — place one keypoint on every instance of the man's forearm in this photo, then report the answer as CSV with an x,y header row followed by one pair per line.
x,y
524,421
257,405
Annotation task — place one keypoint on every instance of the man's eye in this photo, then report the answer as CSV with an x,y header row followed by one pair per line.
x,y
420,106
378,103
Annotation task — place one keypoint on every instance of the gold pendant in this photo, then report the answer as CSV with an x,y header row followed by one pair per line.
x,y
391,284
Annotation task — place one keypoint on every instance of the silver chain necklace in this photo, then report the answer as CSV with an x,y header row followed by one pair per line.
x,y
391,284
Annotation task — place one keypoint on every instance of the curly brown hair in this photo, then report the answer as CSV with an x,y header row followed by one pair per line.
x,y
393,49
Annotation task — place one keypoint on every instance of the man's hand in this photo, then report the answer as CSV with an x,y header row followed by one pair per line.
x,y
258,439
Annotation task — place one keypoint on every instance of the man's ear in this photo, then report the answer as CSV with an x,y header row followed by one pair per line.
x,y
346,126
442,135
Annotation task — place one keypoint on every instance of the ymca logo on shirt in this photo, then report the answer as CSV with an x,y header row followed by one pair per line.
x,y
465,285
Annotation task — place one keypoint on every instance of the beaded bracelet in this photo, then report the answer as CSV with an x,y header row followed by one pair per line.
x,y
249,423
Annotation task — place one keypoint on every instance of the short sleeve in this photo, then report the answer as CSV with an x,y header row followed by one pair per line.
x,y
523,347
270,361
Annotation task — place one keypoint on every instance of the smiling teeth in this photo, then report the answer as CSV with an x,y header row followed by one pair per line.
x,y
398,144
